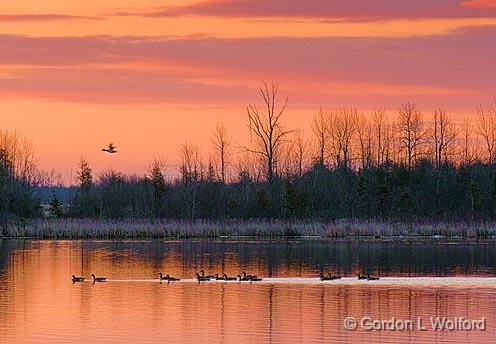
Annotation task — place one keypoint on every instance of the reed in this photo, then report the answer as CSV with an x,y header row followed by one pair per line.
x,y
139,228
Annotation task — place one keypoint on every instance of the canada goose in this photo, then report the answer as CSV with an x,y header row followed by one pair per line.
x,y
360,277
207,276
249,276
329,277
202,278
243,278
167,278
372,278
324,277
255,279
98,279
77,279
110,149
225,278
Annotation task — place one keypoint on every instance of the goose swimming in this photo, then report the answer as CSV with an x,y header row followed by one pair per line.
x,y
372,278
167,278
98,279
225,278
249,276
207,276
202,278
171,279
324,277
77,279
243,278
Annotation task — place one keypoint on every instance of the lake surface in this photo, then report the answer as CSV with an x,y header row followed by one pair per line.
x,y
419,280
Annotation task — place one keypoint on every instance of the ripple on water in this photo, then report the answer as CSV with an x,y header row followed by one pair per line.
x,y
39,304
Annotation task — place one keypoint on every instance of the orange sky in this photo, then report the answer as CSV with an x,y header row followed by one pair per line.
x,y
150,75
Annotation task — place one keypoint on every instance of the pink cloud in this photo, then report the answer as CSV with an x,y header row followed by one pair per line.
x,y
479,3
204,70
42,17
353,10
112,86
96,86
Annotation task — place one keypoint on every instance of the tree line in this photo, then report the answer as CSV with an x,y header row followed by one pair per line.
x,y
350,165
18,175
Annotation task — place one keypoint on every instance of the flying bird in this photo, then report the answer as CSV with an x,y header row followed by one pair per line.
x,y
110,149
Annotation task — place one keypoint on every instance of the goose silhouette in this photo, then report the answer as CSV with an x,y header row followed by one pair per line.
x,y
167,278
77,279
98,279
110,149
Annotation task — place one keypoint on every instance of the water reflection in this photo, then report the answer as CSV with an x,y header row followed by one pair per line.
x,y
295,258
39,304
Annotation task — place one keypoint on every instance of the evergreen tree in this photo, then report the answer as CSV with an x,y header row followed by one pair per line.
x,y
293,201
85,178
55,207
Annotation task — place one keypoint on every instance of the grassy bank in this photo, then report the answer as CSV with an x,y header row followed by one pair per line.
x,y
107,229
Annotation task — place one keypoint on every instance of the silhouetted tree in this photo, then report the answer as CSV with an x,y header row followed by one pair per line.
x,y
55,207
443,135
486,128
85,175
222,147
321,129
157,180
382,136
342,130
85,178
17,177
266,126
411,132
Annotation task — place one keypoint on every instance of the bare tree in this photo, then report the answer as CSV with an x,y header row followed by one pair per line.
x,y
49,179
266,127
320,128
342,131
410,130
294,154
191,165
17,152
191,171
250,166
382,135
486,128
365,137
299,151
222,148
159,165
467,143
443,135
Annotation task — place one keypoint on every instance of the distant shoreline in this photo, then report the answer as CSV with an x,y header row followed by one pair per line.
x,y
182,229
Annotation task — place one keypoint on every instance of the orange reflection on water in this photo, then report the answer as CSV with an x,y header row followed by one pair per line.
x,y
39,304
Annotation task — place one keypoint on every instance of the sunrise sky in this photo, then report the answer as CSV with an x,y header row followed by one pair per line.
x,y
149,75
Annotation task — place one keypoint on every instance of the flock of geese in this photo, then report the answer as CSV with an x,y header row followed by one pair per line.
x,y
330,277
242,277
201,277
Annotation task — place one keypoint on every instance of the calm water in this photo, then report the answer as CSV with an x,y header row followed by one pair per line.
x,y
39,304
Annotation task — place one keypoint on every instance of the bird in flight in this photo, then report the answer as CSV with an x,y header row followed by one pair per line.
x,y
110,149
